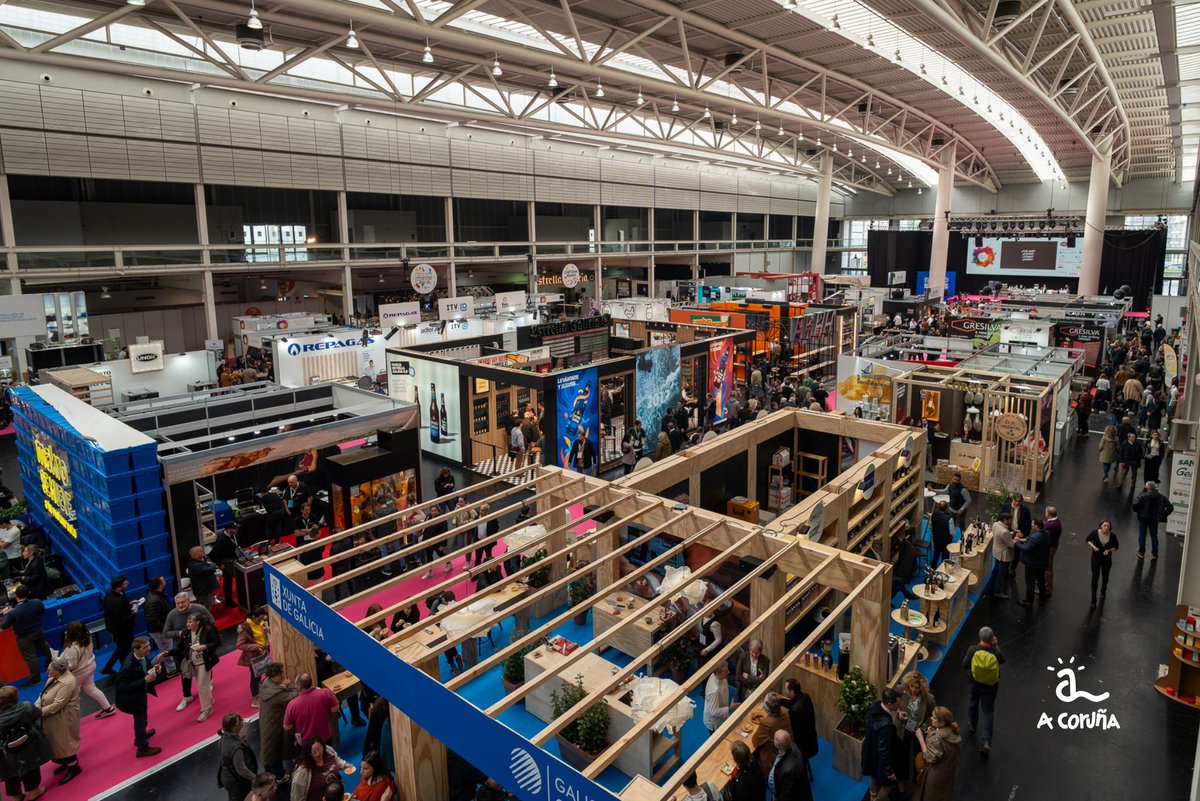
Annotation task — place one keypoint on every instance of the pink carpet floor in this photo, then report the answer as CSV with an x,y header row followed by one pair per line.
x,y
106,746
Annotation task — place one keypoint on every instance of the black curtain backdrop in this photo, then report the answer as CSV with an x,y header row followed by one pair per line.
x,y
1135,258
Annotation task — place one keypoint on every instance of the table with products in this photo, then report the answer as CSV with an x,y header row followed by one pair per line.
x,y
430,638
633,640
979,560
948,611
651,755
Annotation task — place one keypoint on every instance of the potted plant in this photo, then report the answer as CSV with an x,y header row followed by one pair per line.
x,y
581,740
579,591
512,674
679,657
540,577
854,701
998,500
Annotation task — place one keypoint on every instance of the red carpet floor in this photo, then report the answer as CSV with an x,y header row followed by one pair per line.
x,y
106,746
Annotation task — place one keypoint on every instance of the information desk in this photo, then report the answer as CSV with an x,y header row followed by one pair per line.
x,y
642,757
633,640
979,560
952,607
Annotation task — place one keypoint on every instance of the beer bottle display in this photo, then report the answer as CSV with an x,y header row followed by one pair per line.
x,y
444,426
435,427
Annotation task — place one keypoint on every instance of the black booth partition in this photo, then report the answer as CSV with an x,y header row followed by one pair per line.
x,y
1133,258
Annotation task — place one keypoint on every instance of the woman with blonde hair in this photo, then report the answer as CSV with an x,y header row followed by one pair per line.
x,y
1108,450
912,713
939,749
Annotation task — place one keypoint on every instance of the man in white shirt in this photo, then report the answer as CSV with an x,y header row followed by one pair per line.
x,y
716,698
10,544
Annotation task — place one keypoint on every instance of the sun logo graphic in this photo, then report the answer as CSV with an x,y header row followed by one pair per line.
x,y
526,771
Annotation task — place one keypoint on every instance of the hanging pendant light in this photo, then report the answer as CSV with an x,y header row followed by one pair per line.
x,y
427,56
781,131
599,90
675,105
707,113
553,82
758,125
351,39
496,71
733,119
253,22
640,100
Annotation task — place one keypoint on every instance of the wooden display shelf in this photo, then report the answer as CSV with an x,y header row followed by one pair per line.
x,y
89,386
861,516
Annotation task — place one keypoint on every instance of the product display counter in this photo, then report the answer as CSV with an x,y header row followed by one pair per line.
x,y
635,639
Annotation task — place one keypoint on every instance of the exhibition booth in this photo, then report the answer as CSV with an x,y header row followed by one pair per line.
x,y
580,639
574,371
148,373
219,450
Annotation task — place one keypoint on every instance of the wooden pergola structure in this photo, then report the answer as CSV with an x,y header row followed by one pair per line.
x,y
775,568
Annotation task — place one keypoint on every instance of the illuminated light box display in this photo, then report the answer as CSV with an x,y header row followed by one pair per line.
x,y
96,486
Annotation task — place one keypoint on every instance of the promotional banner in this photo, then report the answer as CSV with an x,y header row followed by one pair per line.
x,y
511,302
401,314
864,382
1082,336
456,308
657,388
578,411
1179,493
981,330
1170,362
520,767
720,373
433,386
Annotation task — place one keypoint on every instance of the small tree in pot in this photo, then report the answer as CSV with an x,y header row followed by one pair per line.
x,y
541,576
512,675
679,657
583,738
579,591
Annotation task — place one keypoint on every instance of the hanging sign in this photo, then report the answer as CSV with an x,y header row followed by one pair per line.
x,y
906,455
423,278
399,314
510,302
456,308
816,521
570,276
867,485
146,357
1010,427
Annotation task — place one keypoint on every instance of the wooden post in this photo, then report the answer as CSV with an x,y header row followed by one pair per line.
x,y
764,592
288,646
869,629
420,760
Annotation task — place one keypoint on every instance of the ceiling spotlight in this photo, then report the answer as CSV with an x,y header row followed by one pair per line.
x,y
818,140
599,90
640,100
781,132
381,278
910,184
262,283
553,82
758,125
427,56
496,71
104,293
800,137
675,106
877,164
707,113
918,189
835,146
849,152
733,119
351,39
889,170
863,159
254,23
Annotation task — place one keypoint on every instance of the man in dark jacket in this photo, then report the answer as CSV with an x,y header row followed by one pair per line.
x,y
1151,508
158,606
1034,552
277,515
203,574
25,619
1129,455
224,553
582,456
880,745
1022,518
804,719
118,619
682,417
238,765
941,524
983,687
273,696
788,777
134,682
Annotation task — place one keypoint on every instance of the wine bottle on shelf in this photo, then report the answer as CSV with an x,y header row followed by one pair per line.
x,y
435,423
937,615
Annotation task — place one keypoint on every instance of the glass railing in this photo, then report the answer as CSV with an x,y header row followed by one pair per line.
x,y
134,258
65,260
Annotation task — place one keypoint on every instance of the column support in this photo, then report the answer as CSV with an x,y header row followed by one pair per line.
x,y
210,306
821,220
940,248
344,238
531,267
1093,231
452,266
8,234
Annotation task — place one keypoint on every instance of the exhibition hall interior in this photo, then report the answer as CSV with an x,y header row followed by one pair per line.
x,y
672,400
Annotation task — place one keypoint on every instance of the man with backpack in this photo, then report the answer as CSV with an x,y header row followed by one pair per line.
x,y
982,662
1151,508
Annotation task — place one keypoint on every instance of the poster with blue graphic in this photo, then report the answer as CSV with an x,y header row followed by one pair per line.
x,y
578,413
658,389
720,373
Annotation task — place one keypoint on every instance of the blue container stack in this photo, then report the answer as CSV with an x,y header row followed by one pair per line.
x,y
120,512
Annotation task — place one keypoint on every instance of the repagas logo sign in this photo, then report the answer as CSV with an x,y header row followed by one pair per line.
x,y
297,348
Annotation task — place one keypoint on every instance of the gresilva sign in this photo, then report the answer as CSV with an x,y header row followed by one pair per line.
x,y
516,764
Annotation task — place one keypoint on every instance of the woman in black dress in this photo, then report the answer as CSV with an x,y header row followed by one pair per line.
x,y
1103,543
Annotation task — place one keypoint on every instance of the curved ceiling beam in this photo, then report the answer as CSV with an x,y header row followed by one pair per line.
x,y
957,26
